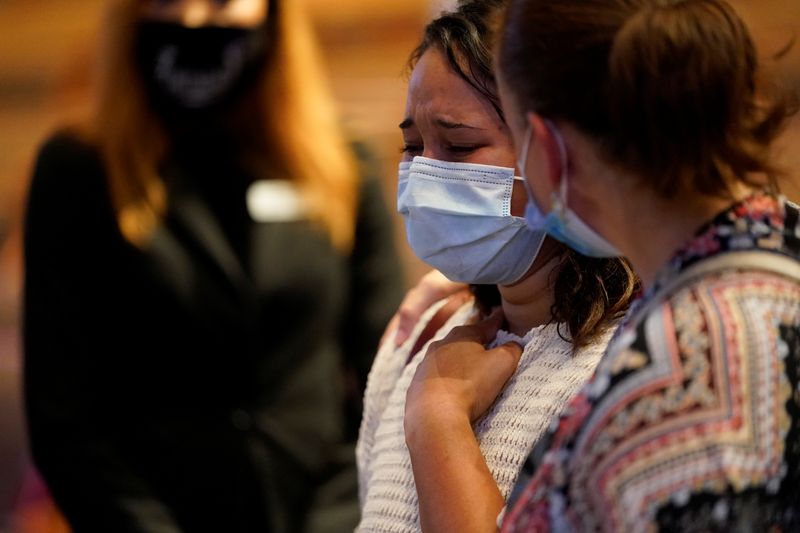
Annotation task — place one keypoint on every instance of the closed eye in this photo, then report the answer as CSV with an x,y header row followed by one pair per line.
x,y
463,149
411,149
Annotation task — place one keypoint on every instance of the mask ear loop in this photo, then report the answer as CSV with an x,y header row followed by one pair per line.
x,y
522,162
559,201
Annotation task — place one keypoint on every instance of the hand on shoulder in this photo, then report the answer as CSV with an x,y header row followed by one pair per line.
x,y
433,287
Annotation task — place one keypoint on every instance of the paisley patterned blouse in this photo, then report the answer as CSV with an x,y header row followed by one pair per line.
x,y
692,420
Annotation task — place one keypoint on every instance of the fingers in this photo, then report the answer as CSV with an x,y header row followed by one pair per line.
x,y
487,328
391,330
510,351
504,361
433,287
412,308
402,334
483,332
497,367
438,286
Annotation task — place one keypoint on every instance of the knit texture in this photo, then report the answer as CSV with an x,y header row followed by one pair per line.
x,y
548,376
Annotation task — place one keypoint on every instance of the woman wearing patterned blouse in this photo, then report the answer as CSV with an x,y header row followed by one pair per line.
x,y
644,130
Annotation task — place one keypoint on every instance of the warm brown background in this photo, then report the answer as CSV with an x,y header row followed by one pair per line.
x,y
46,54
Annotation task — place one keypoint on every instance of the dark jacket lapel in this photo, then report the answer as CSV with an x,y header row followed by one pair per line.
x,y
198,222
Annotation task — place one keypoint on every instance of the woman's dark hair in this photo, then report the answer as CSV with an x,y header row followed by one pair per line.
x,y
589,293
466,37
668,88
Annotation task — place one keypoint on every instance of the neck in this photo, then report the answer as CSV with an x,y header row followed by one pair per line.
x,y
662,227
527,303
647,228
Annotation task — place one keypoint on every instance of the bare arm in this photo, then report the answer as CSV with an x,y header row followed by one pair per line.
x,y
455,489
456,383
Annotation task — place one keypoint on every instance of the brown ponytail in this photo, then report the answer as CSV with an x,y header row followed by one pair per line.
x,y
590,294
667,87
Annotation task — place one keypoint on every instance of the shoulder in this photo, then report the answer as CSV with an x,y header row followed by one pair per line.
x,y
680,382
717,307
67,147
723,310
389,366
391,361
67,191
68,164
389,355
599,343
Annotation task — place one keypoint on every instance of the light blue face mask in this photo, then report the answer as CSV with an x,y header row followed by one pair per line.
x,y
458,220
561,222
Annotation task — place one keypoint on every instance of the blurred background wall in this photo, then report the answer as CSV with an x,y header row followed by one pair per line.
x,y
46,55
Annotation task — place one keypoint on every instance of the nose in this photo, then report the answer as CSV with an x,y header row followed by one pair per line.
x,y
196,13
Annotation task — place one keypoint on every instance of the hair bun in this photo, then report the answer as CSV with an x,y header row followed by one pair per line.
x,y
681,84
667,88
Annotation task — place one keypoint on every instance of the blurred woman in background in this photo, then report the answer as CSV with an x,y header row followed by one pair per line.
x,y
208,271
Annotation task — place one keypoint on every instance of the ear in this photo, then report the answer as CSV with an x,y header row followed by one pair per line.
x,y
549,146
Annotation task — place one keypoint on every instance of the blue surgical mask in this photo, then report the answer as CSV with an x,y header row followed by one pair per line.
x,y
561,222
458,220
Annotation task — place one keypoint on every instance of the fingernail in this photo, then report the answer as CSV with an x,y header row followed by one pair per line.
x,y
399,338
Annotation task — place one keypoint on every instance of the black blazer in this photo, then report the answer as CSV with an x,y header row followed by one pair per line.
x,y
200,385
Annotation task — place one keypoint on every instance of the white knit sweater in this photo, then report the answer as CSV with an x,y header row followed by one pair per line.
x,y
548,376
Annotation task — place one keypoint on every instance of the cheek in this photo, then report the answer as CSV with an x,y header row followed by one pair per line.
x,y
538,184
503,155
542,193
519,198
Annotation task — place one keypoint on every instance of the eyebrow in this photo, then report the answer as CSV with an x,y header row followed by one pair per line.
x,y
442,123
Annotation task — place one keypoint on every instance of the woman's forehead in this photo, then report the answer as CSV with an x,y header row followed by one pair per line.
x,y
436,89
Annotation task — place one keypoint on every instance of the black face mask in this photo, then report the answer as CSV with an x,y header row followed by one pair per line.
x,y
189,70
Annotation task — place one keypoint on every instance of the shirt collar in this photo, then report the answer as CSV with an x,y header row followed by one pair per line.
x,y
756,222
